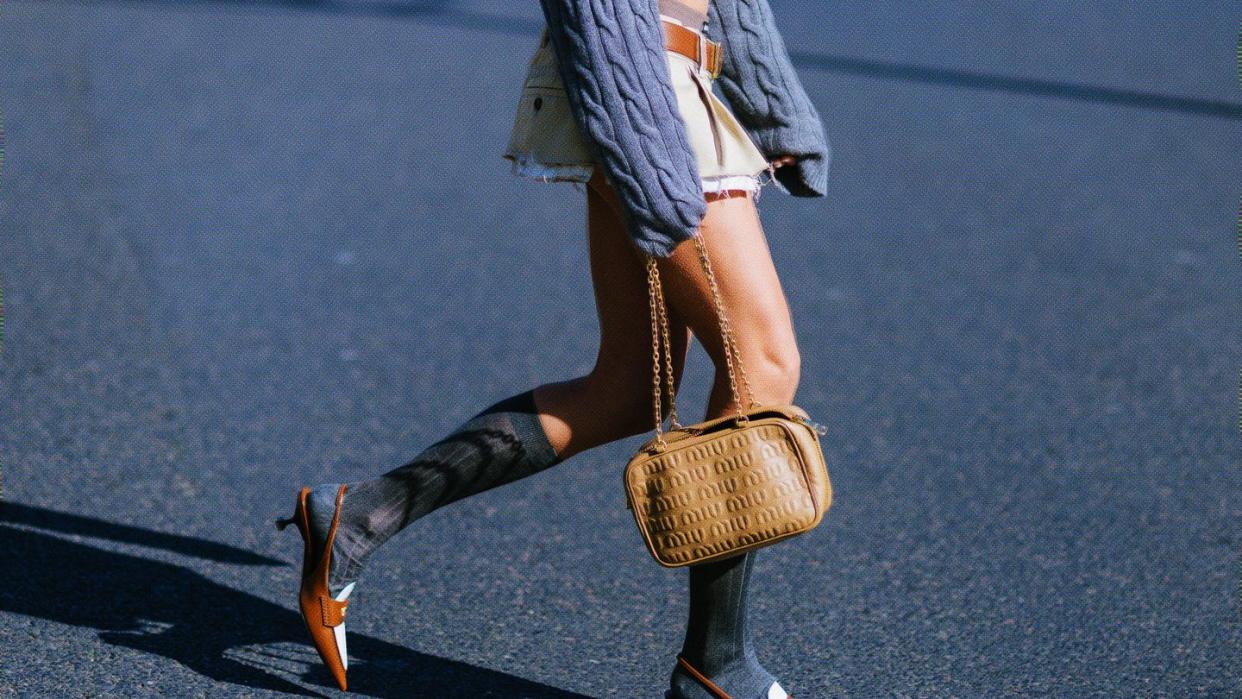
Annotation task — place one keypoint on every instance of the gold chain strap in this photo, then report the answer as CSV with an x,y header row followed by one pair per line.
x,y
658,313
726,333
668,358
652,284
660,335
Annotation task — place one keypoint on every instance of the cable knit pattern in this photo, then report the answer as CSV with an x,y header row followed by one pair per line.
x,y
611,58
760,83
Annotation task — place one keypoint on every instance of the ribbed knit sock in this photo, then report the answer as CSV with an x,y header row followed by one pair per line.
x,y
718,640
502,443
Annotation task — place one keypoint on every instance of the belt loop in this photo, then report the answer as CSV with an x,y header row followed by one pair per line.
x,y
704,56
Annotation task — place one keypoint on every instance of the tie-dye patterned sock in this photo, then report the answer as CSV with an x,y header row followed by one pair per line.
x,y
502,443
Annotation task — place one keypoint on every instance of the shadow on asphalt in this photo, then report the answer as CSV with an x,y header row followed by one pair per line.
x,y
445,12
222,633
66,523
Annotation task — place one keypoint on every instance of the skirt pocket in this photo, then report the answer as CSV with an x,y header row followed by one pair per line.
x,y
545,141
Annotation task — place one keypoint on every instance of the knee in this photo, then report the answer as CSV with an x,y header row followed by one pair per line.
x,y
773,371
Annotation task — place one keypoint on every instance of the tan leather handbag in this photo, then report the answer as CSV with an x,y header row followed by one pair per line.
x,y
719,488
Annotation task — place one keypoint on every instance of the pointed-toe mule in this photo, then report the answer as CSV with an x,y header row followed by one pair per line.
x,y
324,614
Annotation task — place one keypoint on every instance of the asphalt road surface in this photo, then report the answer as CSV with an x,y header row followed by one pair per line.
x,y
247,246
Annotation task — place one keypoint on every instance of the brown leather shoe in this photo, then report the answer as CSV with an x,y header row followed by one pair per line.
x,y
774,692
323,614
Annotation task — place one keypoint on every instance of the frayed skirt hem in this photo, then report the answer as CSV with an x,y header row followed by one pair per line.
x,y
526,166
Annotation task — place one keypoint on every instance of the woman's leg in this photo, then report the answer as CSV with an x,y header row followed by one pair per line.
x,y
614,400
525,433
717,640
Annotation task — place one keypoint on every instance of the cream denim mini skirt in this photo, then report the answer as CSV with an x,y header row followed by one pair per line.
x,y
545,143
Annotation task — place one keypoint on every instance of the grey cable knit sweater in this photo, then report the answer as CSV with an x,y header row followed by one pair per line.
x,y
610,54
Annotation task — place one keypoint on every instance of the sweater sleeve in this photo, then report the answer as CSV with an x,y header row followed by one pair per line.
x,y
610,56
762,86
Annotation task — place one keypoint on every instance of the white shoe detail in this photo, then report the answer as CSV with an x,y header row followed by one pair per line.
x,y
777,692
339,630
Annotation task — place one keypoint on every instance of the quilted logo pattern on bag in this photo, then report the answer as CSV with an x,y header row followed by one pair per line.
x,y
718,494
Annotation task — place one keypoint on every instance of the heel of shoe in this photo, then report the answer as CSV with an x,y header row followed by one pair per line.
x,y
298,513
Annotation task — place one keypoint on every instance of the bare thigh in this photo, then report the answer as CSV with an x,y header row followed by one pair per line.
x,y
749,287
619,277
615,399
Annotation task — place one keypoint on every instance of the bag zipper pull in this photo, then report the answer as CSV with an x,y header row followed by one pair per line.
x,y
821,429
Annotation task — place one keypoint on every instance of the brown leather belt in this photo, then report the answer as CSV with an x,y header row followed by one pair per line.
x,y
695,46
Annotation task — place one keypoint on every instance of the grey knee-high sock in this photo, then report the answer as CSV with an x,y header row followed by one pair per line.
x,y
717,639
500,444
